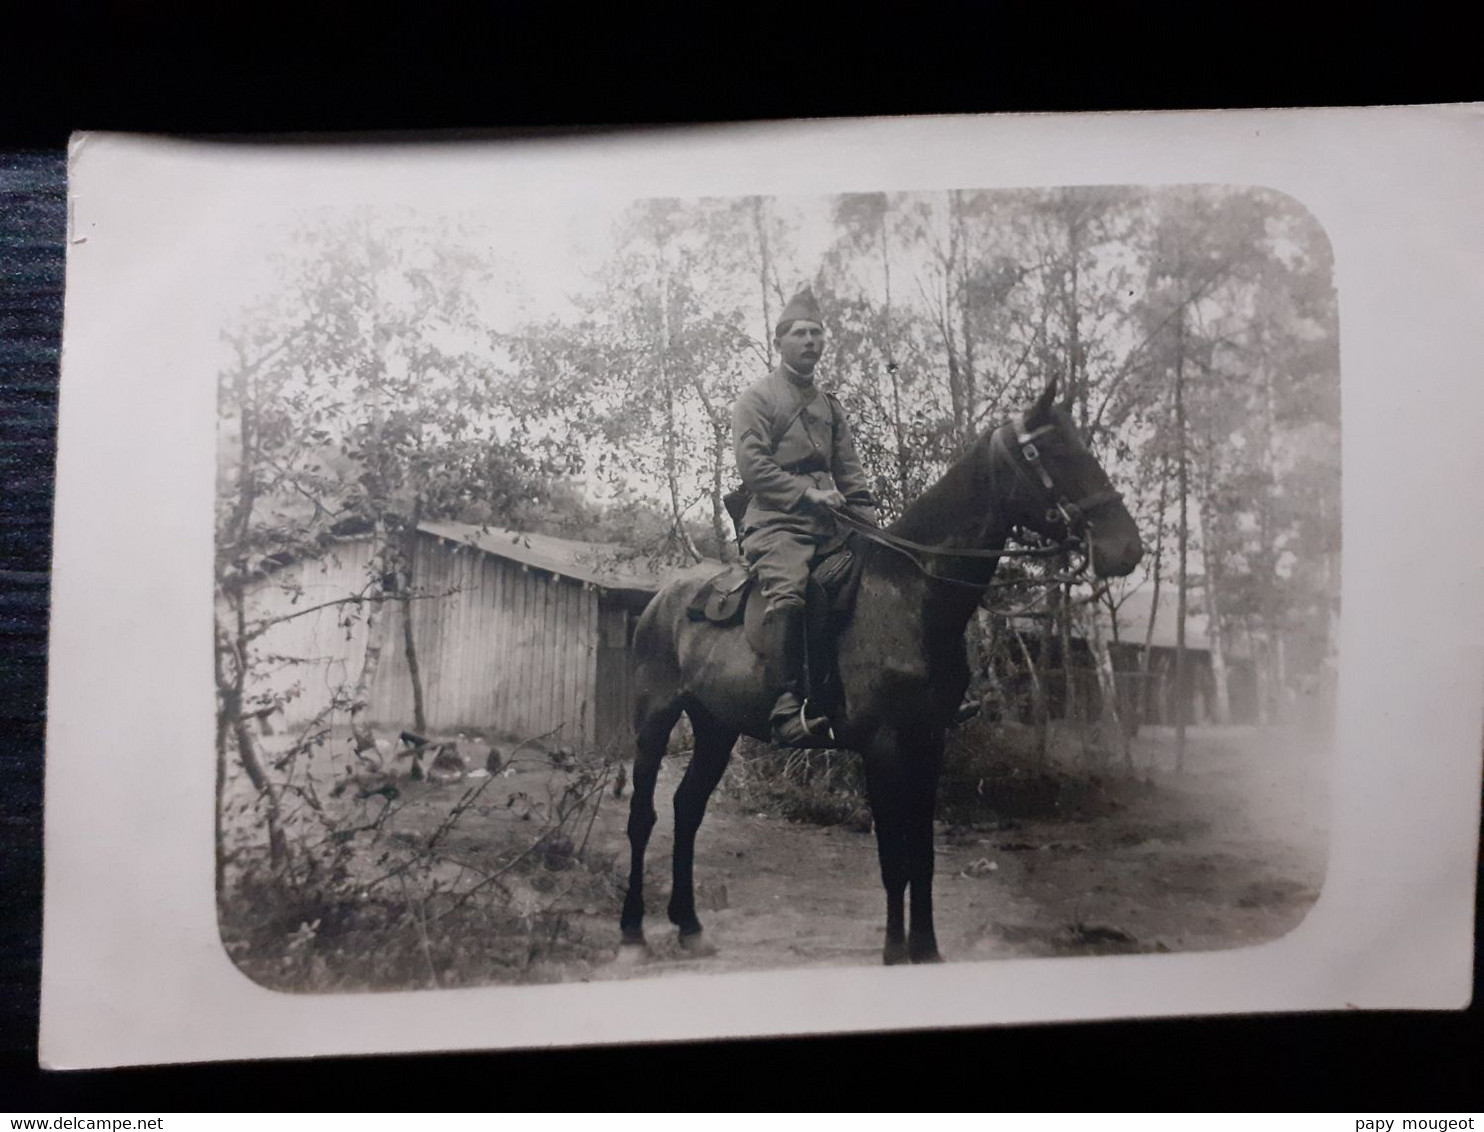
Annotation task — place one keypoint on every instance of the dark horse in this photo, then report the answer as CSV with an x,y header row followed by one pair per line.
x,y
902,661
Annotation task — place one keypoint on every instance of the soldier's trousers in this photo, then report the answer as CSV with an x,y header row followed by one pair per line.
x,y
780,555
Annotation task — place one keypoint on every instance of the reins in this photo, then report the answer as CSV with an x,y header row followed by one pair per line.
x,y
1073,515
912,549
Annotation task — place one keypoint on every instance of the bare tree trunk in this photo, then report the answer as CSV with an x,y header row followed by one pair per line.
x,y
943,315
1280,673
955,379
1206,517
257,773
232,690
360,721
1064,626
721,432
1108,682
903,457
1077,391
904,482
720,520
672,438
1146,661
991,638
1036,667
1272,681
672,480
1182,472
223,730
1259,671
247,752
672,477
383,553
409,636
765,271
970,379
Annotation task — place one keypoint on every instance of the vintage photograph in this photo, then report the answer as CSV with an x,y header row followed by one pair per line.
x,y
698,585
768,579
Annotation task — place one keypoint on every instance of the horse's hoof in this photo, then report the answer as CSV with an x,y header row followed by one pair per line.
x,y
927,957
695,945
632,952
894,954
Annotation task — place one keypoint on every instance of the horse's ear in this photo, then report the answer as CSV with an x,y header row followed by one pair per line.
x,y
1041,411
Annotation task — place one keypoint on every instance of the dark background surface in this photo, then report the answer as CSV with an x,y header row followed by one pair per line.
x,y
341,69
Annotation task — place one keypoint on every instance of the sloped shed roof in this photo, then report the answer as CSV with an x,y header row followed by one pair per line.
x,y
1133,620
600,564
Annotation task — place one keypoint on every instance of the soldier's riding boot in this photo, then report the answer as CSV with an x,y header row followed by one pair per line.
x,y
793,721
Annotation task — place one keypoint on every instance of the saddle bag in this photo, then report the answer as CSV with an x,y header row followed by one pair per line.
x,y
723,598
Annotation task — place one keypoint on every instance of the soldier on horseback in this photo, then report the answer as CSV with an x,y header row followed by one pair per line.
x,y
797,459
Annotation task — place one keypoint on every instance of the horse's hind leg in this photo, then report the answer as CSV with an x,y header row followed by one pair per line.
x,y
653,726
714,744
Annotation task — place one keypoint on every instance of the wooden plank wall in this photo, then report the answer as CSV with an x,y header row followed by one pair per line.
x,y
615,676
312,657
501,647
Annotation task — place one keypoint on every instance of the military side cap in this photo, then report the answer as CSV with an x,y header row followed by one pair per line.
x,y
800,306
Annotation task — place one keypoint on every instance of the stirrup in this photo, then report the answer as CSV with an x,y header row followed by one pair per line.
x,y
808,728
966,711
807,735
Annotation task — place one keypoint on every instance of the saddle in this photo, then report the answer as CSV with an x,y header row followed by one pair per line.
x,y
727,598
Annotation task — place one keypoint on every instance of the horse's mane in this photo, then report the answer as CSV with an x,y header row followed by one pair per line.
x,y
939,512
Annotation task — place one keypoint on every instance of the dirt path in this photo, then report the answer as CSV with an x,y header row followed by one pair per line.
x,y
1228,853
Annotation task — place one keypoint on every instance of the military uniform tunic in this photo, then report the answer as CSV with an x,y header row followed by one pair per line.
x,y
782,533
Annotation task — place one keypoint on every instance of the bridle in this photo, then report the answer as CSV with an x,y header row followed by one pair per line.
x,y
1072,513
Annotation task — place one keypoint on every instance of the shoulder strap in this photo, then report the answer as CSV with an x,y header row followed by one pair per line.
x,y
777,434
835,412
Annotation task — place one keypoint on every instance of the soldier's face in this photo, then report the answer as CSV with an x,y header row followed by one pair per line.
x,y
802,344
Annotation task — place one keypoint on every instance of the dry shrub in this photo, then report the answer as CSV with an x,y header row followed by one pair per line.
x,y
399,883
991,771
818,787
996,771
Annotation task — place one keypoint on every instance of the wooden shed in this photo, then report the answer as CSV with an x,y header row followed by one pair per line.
x,y
515,634
1147,693
1154,695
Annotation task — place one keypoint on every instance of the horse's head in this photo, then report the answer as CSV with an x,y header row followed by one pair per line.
x,y
1060,490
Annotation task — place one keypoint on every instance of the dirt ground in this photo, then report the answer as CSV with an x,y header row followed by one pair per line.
x,y
1228,852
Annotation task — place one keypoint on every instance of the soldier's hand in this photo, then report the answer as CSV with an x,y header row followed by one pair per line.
x,y
823,497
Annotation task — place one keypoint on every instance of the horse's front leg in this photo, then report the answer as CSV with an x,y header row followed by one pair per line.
x,y
884,788
923,763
